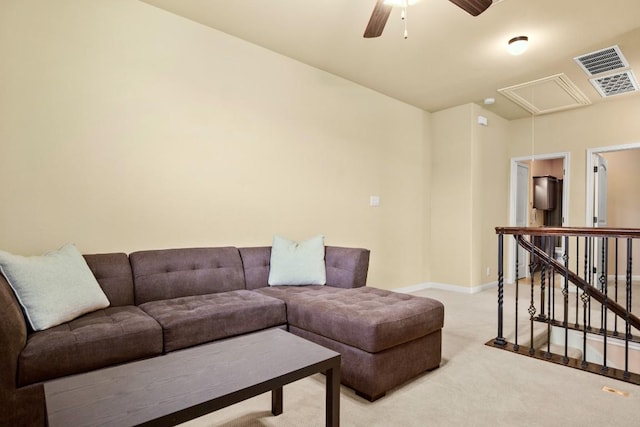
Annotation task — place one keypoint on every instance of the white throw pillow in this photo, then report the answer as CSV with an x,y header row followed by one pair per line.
x,y
297,263
53,288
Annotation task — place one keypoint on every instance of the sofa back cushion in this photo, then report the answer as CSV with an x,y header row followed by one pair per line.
x,y
113,273
172,273
346,267
256,266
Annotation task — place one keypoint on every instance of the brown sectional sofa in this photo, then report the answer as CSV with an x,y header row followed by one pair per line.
x,y
166,300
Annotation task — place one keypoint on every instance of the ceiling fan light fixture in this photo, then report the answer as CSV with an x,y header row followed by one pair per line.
x,y
400,3
518,45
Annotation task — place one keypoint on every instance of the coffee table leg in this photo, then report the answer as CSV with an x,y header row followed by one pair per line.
x,y
333,397
276,401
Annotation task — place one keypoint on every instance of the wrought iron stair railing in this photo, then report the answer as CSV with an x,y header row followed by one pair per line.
x,y
601,303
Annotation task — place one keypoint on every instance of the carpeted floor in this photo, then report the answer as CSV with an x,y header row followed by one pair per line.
x,y
475,386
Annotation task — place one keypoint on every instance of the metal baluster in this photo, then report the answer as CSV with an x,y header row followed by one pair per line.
x,y
577,272
516,347
543,272
585,299
627,335
552,291
532,308
565,294
605,290
500,338
589,280
602,281
615,318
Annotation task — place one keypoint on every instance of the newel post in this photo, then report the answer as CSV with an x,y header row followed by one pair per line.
x,y
500,341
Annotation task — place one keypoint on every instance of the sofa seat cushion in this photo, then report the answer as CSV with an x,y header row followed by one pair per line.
x,y
96,340
197,319
286,293
367,318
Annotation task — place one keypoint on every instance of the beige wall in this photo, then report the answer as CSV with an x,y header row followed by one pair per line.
x,y
623,195
602,125
492,190
607,124
124,127
623,205
450,201
469,187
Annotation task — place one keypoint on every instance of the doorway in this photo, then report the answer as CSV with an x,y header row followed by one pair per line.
x,y
613,198
522,211
608,203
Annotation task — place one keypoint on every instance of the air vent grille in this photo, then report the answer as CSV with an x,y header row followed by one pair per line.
x,y
602,61
615,84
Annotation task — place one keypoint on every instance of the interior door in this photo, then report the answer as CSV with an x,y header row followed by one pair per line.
x,y
599,215
522,208
600,187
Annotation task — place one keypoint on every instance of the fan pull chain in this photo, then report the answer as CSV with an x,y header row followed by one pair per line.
x,y
405,16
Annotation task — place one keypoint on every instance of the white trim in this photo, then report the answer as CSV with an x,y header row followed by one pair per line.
x,y
446,287
589,177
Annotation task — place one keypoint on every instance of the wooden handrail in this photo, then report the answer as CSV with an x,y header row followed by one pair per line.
x,y
631,233
578,281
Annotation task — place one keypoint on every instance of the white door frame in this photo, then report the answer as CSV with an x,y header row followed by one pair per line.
x,y
591,152
522,198
565,156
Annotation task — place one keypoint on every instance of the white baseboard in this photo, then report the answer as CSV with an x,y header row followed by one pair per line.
x,y
446,287
622,278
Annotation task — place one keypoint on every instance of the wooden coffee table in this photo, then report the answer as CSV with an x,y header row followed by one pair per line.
x,y
185,384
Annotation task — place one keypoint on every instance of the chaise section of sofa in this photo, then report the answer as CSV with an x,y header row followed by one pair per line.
x,y
385,338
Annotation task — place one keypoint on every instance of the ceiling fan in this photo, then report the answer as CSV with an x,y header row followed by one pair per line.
x,y
382,10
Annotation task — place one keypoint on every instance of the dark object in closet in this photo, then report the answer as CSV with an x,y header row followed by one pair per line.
x,y
544,192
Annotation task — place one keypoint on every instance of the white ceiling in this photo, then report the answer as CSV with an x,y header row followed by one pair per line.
x,y
450,57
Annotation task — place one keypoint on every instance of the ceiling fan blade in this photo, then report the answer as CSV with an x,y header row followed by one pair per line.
x,y
378,19
473,7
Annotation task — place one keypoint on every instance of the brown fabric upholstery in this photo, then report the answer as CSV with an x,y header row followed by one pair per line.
x,y
113,273
23,407
17,406
373,374
346,267
200,295
173,273
286,293
194,320
255,262
367,318
95,340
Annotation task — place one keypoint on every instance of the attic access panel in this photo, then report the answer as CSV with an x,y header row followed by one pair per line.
x,y
546,95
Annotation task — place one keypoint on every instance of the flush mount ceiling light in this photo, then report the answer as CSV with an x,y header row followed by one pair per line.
x,y
518,45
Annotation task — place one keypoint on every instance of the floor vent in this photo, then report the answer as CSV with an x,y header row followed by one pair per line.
x,y
602,61
615,84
